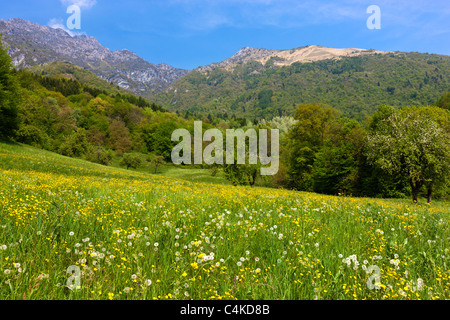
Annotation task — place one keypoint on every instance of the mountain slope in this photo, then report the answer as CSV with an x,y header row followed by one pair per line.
x,y
32,44
265,83
67,70
280,58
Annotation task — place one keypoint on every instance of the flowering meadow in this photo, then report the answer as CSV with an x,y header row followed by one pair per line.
x,y
134,235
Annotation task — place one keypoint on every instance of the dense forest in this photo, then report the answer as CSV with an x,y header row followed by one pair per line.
x,y
394,151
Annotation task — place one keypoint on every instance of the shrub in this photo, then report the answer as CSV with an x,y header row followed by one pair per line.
x,y
99,155
130,160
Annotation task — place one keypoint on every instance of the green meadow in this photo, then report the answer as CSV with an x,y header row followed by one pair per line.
x,y
127,234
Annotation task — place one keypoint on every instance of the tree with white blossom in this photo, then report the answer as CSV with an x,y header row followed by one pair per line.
x,y
413,142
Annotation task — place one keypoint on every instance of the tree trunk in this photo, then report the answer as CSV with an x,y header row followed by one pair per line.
x,y
251,182
429,193
252,179
415,188
414,195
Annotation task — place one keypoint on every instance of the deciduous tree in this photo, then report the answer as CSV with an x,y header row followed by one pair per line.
x,y
9,97
414,143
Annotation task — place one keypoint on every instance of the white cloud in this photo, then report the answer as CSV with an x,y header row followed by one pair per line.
x,y
59,24
83,4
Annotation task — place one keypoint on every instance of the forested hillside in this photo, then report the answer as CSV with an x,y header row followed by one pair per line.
x,y
355,86
74,119
61,69
92,119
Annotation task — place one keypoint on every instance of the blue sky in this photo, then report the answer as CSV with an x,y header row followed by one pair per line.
x,y
192,33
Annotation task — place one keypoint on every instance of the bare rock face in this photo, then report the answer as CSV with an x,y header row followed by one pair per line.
x,y
244,55
32,44
286,57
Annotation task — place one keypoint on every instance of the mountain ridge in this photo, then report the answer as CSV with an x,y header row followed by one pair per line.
x,y
253,82
355,82
309,53
32,44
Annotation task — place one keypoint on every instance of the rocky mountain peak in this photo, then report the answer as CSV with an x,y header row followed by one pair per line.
x,y
33,44
304,54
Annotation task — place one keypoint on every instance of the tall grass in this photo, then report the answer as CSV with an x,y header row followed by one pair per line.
x,y
140,236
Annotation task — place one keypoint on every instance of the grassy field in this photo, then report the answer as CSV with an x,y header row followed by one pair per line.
x,y
195,175
134,235
174,171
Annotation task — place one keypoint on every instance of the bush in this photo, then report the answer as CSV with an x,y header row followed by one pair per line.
x,y
99,155
75,145
130,160
32,135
